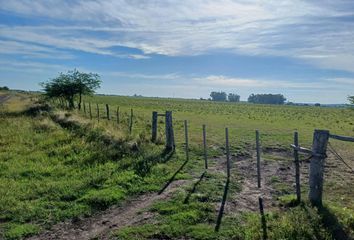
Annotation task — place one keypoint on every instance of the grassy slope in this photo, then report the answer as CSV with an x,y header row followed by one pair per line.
x,y
48,173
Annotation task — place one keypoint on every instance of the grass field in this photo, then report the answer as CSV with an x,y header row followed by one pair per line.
x,y
56,165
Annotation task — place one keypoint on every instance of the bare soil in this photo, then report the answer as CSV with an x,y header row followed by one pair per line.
x,y
273,173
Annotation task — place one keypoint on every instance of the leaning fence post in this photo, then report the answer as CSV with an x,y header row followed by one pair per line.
x,y
107,111
227,152
186,138
154,127
98,112
297,167
90,110
319,147
258,159
170,140
131,121
117,115
205,147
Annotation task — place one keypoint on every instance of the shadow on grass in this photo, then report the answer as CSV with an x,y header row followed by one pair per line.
x,y
144,165
330,223
31,111
173,177
263,219
221,210
186,200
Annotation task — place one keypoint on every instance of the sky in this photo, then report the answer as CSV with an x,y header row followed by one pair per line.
x,y
172,48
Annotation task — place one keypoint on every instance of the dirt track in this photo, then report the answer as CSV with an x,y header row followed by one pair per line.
x,y
100,225
4,98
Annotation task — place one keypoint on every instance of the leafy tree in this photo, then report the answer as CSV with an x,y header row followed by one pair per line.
x,y
4,88
351,99
267,98
218,96
232,97
69,85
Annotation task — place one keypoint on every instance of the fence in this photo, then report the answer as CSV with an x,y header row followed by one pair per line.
x,y
317,154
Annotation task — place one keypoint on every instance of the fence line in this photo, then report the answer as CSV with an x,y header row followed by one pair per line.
x,y
317,153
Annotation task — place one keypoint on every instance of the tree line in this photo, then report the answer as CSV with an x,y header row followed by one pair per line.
x,y
253,98
223,97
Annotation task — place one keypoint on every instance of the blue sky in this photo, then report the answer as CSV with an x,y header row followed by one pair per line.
x,y
172,48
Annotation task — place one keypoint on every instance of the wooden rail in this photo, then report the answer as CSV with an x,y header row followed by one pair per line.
x,y
341,138
306,151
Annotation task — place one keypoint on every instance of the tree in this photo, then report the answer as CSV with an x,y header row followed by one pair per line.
x,y
67,86
4,88
232,97
351,99
218,96
267,98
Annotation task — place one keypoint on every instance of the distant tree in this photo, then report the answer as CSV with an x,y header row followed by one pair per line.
x,y
317,105
267,98
232,97
70,85
351,99
218,96
4,88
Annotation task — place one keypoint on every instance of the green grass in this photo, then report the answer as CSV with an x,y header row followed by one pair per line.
x,y
54,168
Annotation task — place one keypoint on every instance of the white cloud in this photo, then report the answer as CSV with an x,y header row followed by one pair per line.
x,y
169,76
310,30
31,50
342,81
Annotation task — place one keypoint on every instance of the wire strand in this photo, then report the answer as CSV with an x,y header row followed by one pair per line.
x,y
334,152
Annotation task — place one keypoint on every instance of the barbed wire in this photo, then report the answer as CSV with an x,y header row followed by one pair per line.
x,y
335,153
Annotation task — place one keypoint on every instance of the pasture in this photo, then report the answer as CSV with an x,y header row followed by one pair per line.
x,y
60,166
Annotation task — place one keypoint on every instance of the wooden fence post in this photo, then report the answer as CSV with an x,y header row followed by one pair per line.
x,y
227,152
98,112
258,160
319,147
154,127
131,121
170,140
117,115
107,111
84,107
90,110
205,147
186,138
297,167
